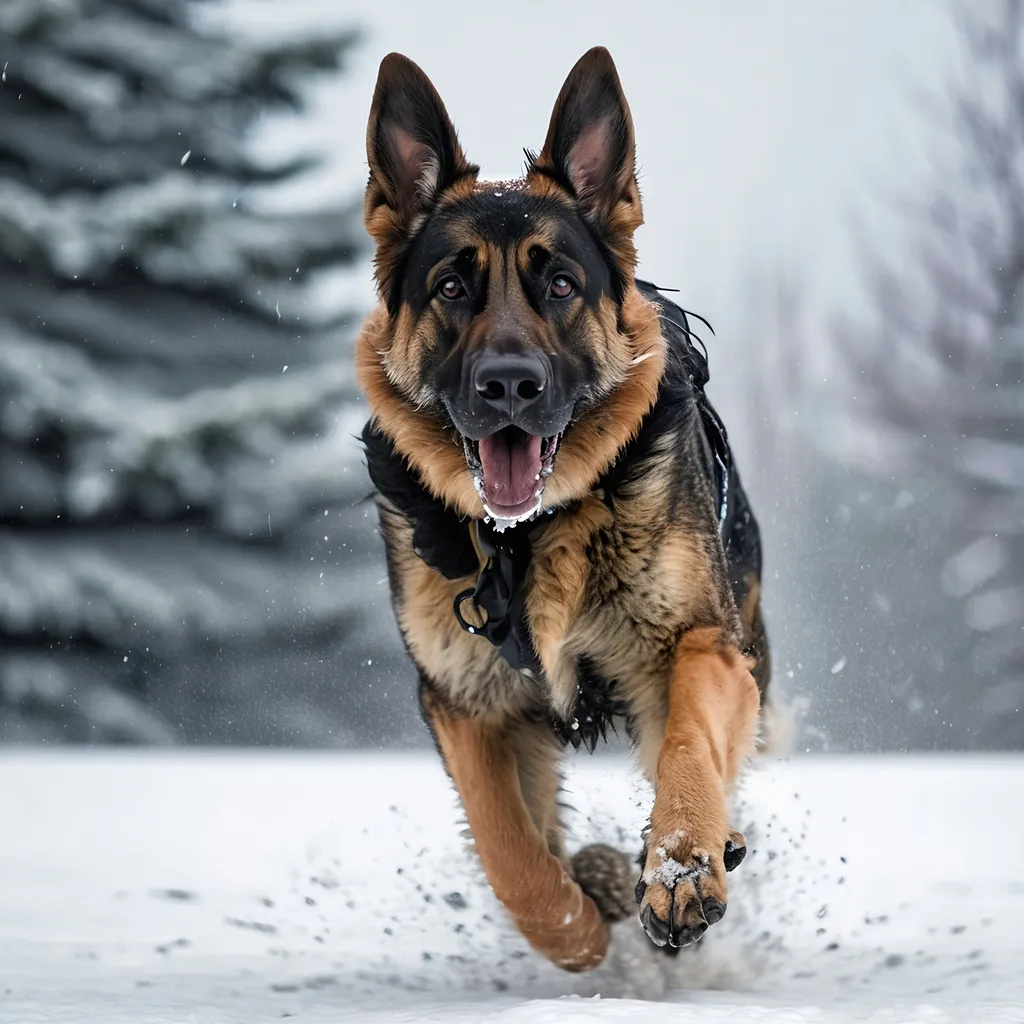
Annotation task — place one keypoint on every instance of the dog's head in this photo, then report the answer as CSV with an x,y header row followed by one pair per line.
x,y
511,355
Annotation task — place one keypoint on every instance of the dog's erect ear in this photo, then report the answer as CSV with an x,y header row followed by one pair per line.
x,y
590,147
411,148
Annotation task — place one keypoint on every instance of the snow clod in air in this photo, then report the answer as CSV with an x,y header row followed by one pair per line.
x,y
3,74
277,308
838,666
284,369
184,159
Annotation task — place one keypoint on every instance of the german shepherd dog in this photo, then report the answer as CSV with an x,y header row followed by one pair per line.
x,y
567,539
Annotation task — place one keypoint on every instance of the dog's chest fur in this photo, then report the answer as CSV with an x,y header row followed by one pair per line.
x,y
611,584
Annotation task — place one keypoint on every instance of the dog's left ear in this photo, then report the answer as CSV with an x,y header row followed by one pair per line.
x,y
590,148
412,149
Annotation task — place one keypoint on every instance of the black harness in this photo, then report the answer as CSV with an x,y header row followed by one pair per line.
x,y
499,595
498,598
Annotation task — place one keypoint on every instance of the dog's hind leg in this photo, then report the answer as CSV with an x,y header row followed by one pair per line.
x,y
774,736
708,733
537,751
551,910
604,873
755,637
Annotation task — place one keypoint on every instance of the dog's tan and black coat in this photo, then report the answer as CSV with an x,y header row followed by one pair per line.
x,y
567,539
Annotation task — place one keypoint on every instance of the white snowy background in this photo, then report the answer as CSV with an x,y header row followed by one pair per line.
x,y
242,888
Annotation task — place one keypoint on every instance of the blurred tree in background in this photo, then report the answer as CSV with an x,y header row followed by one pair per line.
x,y
895,541
862,641
185,552
178,480
940,377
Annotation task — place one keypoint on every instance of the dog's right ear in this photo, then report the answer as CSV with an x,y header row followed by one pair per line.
x,y
590,147
412,150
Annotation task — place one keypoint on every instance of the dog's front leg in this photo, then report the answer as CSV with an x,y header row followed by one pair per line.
x,y
709,732
550,909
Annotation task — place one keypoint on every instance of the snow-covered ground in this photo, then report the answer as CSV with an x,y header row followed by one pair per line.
x,y
141,887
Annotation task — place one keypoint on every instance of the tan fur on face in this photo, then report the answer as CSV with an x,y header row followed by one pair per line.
x,y
589,447
435,453
619,225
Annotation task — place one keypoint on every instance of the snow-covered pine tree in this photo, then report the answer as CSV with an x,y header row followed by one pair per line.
x,y
942,374
176,460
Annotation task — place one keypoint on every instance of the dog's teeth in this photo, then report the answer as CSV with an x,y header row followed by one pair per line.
x,y
537,477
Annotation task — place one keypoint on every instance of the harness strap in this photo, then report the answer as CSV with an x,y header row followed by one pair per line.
x,y
498,598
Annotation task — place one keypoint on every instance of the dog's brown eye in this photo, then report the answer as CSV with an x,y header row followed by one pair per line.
x,y
561,287
450,288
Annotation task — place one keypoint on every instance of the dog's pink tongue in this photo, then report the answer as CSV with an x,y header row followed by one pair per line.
x,y
510,469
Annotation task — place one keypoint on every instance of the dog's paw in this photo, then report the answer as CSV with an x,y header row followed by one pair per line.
x,y
606,876
682,890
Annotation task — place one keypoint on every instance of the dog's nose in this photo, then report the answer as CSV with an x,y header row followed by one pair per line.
x,y
510,381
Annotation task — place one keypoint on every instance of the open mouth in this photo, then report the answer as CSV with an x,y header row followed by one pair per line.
x,y
509,470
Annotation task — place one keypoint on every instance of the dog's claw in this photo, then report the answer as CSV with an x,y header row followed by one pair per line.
x,y
641,888
714,911
688,934
657,930
735,851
